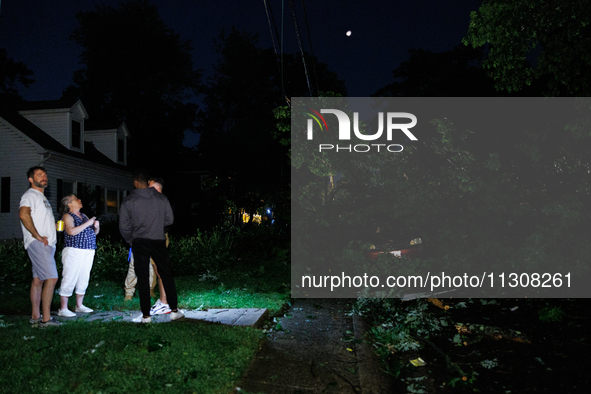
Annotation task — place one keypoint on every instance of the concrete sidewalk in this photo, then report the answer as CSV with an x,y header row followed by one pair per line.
x,y
319,349
246,317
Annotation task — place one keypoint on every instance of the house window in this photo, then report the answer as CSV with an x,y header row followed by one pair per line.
x,y
99,200
5,192
120,150
64,188
76,134
112,201
67,187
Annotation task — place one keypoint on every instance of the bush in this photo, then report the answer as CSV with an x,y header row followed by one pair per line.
x,y
15,267
205,252
110,260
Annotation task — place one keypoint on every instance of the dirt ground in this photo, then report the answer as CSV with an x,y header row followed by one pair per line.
x,y
310,350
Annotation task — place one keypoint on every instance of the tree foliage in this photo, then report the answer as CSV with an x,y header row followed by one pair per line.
x,y
535,41
237,125
13,75
492,183
454,73
137,70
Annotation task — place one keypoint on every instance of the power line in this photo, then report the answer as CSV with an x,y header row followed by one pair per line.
x,y
297,30
279,61
311,50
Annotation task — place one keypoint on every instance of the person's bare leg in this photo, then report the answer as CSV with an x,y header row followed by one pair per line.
x,y
153,278
79,299
46,297
36,288
64,302
160,287
162,292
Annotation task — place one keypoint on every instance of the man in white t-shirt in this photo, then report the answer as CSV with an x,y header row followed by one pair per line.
x,y
39,236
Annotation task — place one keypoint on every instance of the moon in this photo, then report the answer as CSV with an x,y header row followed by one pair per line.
x,y
348,33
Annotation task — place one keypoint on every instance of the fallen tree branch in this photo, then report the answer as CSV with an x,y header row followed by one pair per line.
x,y
481,331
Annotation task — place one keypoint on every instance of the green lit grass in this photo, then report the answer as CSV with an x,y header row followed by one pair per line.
x,y
254,284
121,357
82,357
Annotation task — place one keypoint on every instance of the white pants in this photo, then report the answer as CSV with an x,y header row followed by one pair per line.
x,y
77,264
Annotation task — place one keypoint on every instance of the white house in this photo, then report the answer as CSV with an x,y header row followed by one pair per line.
x,y
80,158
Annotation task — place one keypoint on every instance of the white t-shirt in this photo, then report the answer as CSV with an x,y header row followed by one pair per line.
x,y
42,217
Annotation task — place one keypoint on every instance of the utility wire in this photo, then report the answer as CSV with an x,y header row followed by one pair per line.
x,y
311,50
282,30
297,30
279,61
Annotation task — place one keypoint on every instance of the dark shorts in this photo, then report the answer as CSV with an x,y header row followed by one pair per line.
x,y
43,260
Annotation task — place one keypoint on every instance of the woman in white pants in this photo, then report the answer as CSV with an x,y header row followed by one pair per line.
x,y
78,254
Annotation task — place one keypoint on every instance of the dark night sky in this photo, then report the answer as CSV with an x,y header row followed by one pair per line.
x,y
37,33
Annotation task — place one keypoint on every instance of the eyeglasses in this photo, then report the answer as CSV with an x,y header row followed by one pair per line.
x,y
74,199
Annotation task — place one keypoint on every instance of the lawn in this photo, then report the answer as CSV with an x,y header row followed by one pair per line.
x,y
250,284
177,357
121,357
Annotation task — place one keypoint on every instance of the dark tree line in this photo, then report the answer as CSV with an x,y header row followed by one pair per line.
x,y
237,125
140,71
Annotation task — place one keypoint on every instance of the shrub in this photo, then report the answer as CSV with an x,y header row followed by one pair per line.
x,y
110,260
15,267
204,252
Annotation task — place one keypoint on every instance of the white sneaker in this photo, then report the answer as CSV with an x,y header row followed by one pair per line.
x,y
176,315
161,309
66,313
83,309
142,319
155,306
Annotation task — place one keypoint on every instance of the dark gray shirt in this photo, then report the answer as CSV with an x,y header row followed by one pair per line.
x,y
144,213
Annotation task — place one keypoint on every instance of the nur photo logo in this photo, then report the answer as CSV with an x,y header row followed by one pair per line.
x,y
388,122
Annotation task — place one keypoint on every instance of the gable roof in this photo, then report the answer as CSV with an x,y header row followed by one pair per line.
x,y
97,126
49,105
40,137
46,104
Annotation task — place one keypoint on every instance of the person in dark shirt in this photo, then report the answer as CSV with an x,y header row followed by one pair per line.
x,y
143,215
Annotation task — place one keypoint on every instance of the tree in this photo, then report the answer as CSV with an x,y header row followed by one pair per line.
x,y
533,41
237,126
493,182
454,73
137,70
12,75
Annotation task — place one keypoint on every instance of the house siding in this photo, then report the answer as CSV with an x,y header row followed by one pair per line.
x,y
105,142
55,124
17,155
22,149
84,172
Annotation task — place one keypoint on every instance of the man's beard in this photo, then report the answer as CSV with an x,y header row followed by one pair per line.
x,y
41,185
